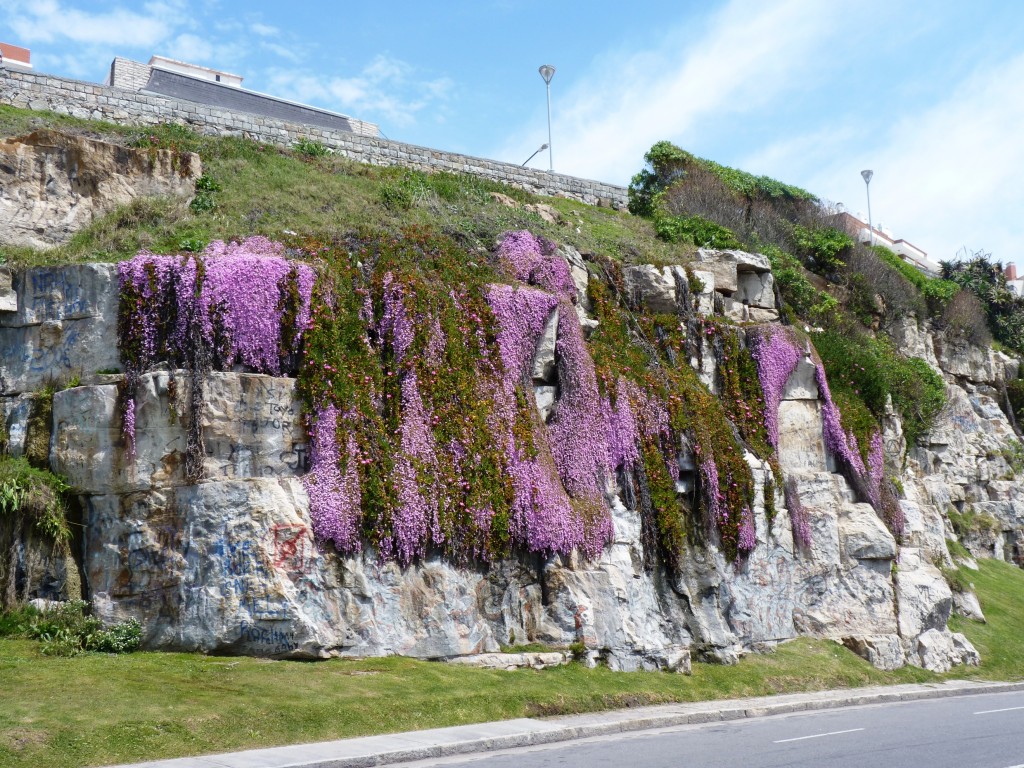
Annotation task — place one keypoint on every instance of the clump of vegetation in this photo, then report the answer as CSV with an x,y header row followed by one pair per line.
x,y
30,499
311,148
204,202
986,280
865,372
67,629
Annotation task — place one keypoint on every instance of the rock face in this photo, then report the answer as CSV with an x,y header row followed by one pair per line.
x,y
63,325
53,184
230,565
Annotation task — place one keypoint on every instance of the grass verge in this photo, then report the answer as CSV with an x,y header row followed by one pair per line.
x,y
99,709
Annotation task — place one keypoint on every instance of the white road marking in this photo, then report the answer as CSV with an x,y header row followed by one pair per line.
x,y
991,711
819,735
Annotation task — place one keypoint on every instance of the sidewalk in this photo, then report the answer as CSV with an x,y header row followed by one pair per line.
x,y
484,737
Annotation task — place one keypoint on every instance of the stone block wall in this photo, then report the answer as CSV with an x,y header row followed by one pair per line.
x,y
30,90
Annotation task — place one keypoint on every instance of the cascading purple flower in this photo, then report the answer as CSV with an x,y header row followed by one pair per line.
x,y
747,538
572,456
238,298
334,493
534,261
777,357
841,444
623,437
242,283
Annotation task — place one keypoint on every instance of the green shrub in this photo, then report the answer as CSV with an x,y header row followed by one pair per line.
x,y
871,371
702,232
203,201
809,304
936,291
664,164
823,246
311,148
67,629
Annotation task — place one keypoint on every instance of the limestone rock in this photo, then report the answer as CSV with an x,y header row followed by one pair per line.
x,y
966,604
654,288
757,290
924,597
65,326
863,536
251,428
802,384
544,357
14,415
883,651
54,184
722,267
941,651
8,297
510,661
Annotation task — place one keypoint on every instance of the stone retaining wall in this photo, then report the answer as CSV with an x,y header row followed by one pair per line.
x,y
31,90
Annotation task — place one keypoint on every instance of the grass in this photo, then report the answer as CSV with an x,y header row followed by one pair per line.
x,y
153,705
1000,641
270,191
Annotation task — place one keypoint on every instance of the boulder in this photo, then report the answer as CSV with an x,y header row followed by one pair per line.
x,y
863,536
883,651
940,651
653,287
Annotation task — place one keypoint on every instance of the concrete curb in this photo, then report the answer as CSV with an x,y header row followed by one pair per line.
x,y
524,732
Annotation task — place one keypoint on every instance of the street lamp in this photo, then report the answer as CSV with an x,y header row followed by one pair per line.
x,y
547,72
867,183
535,153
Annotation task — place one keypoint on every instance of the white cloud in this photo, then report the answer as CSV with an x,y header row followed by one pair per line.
x,y
387,89
945,177
264,30
748,53
48,21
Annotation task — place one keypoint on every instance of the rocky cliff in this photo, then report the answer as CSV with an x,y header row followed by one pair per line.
x,y
239,543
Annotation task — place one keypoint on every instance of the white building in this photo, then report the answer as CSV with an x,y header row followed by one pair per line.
x,y
856,226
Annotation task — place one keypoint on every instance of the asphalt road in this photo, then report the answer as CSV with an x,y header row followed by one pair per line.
x,y
984,731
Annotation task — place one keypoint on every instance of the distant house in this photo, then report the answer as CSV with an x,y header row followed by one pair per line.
x,y
15,57
856,227
216,88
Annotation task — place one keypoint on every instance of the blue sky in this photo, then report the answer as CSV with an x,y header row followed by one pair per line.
x,y
928,95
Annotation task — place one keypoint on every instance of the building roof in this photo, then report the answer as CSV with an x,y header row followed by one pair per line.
x,y
163,82
156,61
15,56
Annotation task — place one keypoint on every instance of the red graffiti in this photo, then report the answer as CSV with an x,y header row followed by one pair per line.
x,y
290,549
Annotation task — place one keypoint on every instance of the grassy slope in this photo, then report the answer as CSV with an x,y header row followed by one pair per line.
x,y
268,191
104,709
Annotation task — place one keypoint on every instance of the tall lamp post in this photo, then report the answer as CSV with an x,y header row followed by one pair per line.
x,y
867,184
547,72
